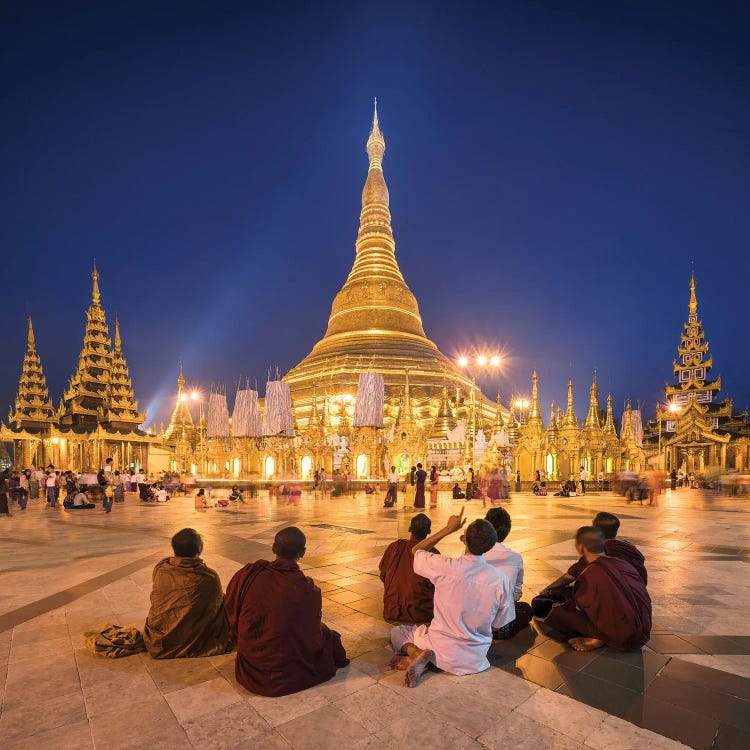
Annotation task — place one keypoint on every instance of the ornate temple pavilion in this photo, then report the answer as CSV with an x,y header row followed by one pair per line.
x,y
695,430
98,415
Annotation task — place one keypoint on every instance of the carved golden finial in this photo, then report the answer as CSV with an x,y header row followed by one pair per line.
x,y
535,415
693,306
118,341
180,380
592,419
376,141
95,291
609,424
570,416
30,338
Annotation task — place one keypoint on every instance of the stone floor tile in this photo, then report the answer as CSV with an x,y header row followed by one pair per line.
x,y
519,732
617,734
326,728
563,714
374,707
117,728
52,647
131,690
235,726
606,696
541,671
176,674
203,698
731,738
424,729
287,707
32,717
70,737
346,681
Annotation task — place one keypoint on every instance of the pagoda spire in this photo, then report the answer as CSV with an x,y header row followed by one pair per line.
x,y
33,407
444,422
592,418
181,416
84,400
570,419
552,424
499,421
693,304
122,408
609,424
535,414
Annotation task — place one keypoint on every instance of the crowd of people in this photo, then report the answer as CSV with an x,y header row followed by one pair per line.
x,y
444,610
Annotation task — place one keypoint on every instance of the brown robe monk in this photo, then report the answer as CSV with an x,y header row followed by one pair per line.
x,y
407,597
620,549
609,602
275,613
187,615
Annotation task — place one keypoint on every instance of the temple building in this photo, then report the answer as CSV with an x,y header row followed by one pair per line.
x,y
98,416
695,430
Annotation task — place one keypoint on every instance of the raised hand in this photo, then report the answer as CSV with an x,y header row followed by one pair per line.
x,y
455,522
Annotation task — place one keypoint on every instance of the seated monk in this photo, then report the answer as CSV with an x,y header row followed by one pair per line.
x,y
608,604
609,525
407,597
472,598
187,615
511,563
274,613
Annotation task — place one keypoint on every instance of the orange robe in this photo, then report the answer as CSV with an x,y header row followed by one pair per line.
x,y
609,602
620,549
187,615
407,597
275,613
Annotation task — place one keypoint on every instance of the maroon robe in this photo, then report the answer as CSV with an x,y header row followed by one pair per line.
x,y
407,597
620,549
274,613
609,602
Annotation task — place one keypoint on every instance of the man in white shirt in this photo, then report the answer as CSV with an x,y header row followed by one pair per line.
x,y
140,481
511,563
583,476
471,599
51,485
161,494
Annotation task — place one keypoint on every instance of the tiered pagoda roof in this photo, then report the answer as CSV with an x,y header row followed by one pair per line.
x,y
85,398
121,409
32,410
181,416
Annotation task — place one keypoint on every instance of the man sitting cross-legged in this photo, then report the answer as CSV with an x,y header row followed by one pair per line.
x,y
608,604
609,525
471,599
511,563
187,615
407,597
274,613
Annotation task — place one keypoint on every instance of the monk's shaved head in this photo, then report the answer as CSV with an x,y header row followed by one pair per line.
x,y
608,523
500,520
591,539
187,543
289,543
420,526
480,537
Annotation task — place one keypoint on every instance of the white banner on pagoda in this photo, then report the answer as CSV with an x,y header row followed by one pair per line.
x,y
241,413
368,409
218,416
279,418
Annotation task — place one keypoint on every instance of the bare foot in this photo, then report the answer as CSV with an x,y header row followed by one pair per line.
x,y
400,662
586,644
416,668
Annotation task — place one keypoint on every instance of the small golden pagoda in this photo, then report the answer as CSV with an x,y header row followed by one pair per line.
x,y
375,323
121,408
85,399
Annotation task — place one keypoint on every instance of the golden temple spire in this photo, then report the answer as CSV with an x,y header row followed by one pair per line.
x,y
609,424
535,415
499,421
118,340
570,415
95,297
592,418
180,379
30,340
693,306
552,424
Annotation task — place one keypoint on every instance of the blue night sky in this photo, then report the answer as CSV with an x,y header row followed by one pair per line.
x,y
554,168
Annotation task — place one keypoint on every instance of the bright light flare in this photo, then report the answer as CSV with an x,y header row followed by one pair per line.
x,y
495,361
674,408
463,361
195,395
481,360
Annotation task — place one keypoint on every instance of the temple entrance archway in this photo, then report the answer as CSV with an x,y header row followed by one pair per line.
x,y
270,467
402,463
363,466
306,467
563,466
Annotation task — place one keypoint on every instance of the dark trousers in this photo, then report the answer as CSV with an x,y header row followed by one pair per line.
x,y
583,486
524,613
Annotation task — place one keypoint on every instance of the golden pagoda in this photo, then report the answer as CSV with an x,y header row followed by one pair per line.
x,y
375,323
85,399
121,410
182,419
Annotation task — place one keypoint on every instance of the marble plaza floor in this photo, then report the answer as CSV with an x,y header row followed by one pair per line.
x,y
62,573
